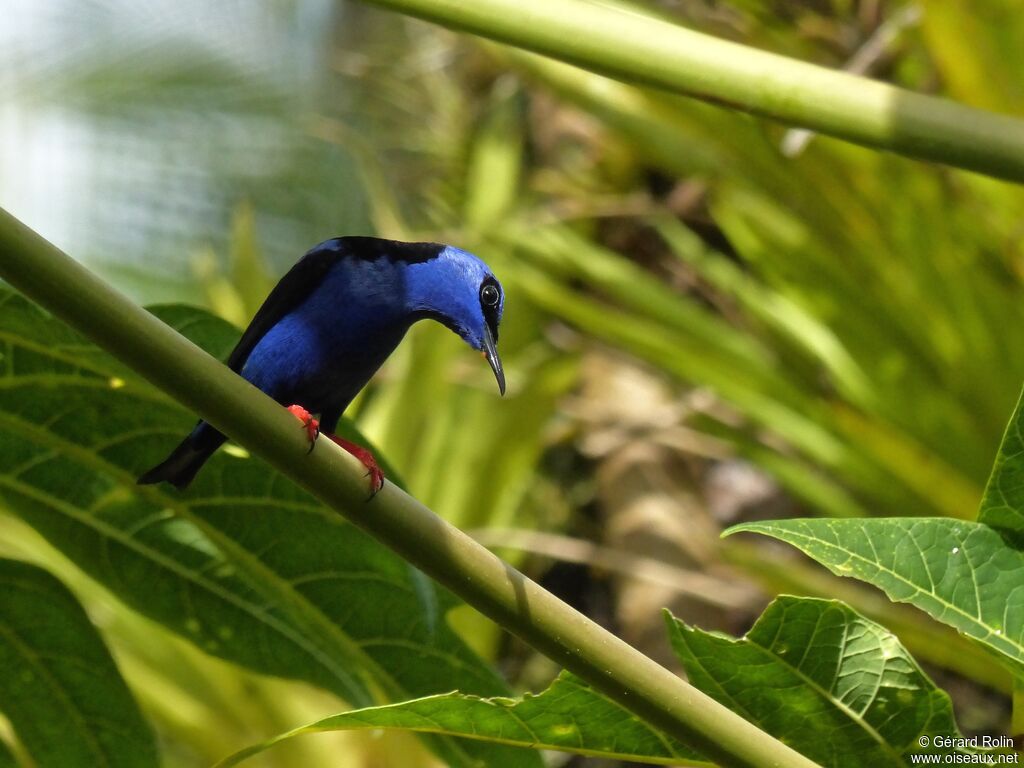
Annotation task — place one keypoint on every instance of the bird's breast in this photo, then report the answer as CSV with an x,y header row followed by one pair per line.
x,y
322,361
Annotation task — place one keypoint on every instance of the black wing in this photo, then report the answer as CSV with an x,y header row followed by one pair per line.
x,y
297,283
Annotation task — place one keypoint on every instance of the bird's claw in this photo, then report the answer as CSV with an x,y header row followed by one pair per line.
x,y
373,470
311,425
376,480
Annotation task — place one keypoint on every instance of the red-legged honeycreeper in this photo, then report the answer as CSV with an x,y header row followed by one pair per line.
x,y
331,322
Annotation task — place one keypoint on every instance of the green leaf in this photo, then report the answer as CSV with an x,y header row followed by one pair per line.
x,y
244,564
59,686
822,678
569,716
813,673
1002,506
967,575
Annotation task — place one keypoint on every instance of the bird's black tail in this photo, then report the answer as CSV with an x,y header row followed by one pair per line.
x,y
181,466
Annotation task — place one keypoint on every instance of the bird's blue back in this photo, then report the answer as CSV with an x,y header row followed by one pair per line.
x,y
328,347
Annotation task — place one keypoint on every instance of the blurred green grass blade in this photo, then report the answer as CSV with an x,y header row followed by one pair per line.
x,y
656,131
961,573
7,758
565,252
687,359
676,335
686,138
972,45
218,292
569,717
775,310
244,564
920,470
817,675
250,277
512,466
492,179
805,481
656,324
809,239
59,686
488,454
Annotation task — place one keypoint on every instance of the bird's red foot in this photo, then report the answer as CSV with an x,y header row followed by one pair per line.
x,y
373,470
311,425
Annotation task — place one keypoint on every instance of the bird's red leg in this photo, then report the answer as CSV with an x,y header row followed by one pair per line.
x,y
373,470
311,425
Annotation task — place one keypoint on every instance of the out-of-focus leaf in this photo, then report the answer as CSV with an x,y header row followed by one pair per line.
x,y
961,573
971,45
249,275
244,564
569,716
7,758
563,252
777,311
493,174
822,678
59,686
800,240
681,354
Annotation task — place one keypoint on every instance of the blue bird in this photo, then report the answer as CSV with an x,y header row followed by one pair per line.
x,y
331,322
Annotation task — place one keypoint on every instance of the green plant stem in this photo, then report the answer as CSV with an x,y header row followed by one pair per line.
x,y
61,285
637,48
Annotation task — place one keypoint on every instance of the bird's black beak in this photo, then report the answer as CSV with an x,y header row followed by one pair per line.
x,y
491,353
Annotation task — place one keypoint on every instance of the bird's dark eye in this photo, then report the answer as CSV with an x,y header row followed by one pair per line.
x,y
489,295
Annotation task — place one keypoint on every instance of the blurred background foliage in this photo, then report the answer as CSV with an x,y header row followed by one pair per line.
x,y
710,318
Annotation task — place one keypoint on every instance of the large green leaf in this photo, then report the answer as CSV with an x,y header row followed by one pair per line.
x,y
59,686
244,564
967,575
964,574
569,716
822,678
813,673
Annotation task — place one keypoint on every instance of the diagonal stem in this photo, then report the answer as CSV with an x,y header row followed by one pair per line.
x,y
638,48
235,407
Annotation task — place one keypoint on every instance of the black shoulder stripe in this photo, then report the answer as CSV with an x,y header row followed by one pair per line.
x,y
374,248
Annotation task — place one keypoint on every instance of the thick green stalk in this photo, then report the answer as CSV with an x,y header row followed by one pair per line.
x,y
174,364
642,49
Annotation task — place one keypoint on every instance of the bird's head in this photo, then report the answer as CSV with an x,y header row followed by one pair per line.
x,y
458,290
